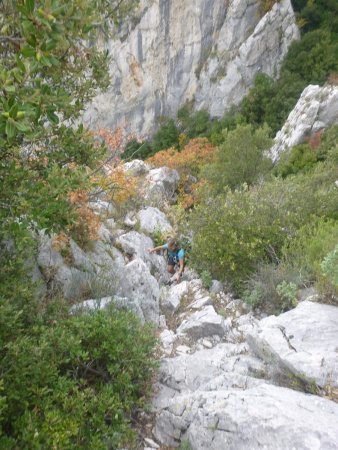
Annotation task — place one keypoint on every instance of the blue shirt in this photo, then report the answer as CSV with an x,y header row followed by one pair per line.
x,y
176,254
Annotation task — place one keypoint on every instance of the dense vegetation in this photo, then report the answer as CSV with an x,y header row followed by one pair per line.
x,y
268,231
65,381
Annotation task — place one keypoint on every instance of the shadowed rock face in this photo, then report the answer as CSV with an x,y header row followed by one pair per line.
x,y
209,51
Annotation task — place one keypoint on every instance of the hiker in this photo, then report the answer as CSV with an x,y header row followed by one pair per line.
x,y
175,256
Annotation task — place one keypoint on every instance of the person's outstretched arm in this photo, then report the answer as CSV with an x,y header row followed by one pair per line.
x,y
155,249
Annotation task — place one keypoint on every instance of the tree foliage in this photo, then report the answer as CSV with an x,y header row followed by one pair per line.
x,y
309,61
65,382
73,383
239,159
317,14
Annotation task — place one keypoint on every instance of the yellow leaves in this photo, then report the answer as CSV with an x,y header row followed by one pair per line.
x,y
182,140
124,186
118,186
86,225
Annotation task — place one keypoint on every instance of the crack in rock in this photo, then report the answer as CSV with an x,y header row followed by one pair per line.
x,y
291,347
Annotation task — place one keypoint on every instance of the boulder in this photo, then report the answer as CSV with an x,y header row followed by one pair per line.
x,y
171,298
137,283
167,338
303,341
72,282
136,245
152,219
201,302
161,185
102,207
204,323
91,274
130,220
216,287
136,167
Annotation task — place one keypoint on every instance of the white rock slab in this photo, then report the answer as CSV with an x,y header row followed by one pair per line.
x,y
137,245
303,340
261,417
201,302
167,338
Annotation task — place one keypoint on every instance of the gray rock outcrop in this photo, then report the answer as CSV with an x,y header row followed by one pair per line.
x,y
316,109
152,219
262,416
137,283
210,51
161,185
204,323
218,389
303,341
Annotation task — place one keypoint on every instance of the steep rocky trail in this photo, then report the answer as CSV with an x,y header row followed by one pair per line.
x,y
228,377
214,391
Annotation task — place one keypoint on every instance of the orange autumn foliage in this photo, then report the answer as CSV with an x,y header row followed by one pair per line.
x,y
188,162
117,185
88,223
194,154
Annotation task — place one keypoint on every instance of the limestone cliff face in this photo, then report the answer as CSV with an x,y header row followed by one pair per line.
x,y
208,51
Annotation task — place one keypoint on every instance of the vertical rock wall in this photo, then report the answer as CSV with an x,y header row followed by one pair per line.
x,y
208,51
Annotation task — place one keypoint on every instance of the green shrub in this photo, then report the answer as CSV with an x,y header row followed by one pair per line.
x,y
314,57
309,61
240,159
255,104
319,13
193,123
329,267
311,243
329,145
158,236
272,287
235,231
185,445
166,136
287,292
229,121
206,279
300,159
137,150
75,383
